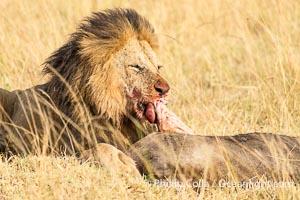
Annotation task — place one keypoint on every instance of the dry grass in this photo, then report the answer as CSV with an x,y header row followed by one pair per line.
x,y
234,68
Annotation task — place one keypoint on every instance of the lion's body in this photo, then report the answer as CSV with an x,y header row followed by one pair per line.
x,y
23,125
31,123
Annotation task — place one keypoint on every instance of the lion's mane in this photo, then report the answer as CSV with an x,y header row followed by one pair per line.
x,y
80,70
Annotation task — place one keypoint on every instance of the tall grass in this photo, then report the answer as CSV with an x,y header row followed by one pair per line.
x,y
234,67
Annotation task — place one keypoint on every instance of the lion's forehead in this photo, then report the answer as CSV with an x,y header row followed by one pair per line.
x,y
150,54
137,52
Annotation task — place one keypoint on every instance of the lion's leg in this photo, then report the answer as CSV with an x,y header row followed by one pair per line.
x,y
111,158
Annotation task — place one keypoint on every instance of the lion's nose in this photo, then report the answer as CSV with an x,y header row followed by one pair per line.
x,y
161,86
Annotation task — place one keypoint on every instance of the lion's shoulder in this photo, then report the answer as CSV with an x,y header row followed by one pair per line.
x,y
7,102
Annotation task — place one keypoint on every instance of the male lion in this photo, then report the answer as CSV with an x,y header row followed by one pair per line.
x,y
104,83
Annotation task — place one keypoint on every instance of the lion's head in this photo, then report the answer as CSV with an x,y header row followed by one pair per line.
x,y
141,79
111,63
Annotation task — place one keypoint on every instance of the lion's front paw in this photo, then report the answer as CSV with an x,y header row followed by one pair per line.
x,y
111,158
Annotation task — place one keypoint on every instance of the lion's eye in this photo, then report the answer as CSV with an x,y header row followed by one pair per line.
x,y
159,67
137,68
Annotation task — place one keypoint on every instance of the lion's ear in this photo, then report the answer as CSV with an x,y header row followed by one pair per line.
x,y
107,92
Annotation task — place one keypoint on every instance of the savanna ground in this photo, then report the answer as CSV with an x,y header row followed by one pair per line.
x,y
234,67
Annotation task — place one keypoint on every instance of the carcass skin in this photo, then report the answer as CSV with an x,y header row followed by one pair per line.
x,y
176,153
241,157
167,121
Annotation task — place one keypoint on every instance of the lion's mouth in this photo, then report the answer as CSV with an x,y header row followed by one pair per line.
x,y
166,120
151,112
